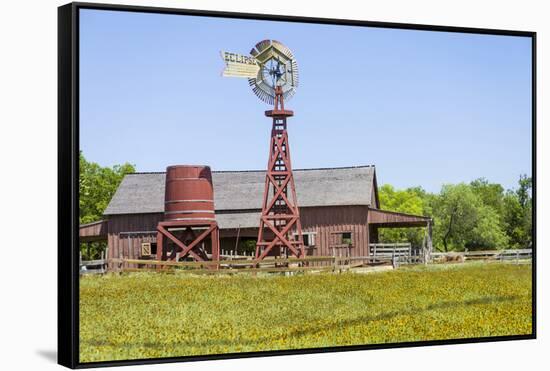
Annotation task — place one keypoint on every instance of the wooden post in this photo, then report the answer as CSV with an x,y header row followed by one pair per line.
x,y
161,254
429,241
237,239
121,263
424,252
130,248
216,246
107,259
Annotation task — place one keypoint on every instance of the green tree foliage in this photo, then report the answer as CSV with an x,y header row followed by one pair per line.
x,y
524,190
409,201
97,185
247,245
469,216
489,232
478,215
454,215
491,194
518,214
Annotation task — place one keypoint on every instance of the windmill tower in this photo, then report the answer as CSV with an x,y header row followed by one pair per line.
x,y
273,75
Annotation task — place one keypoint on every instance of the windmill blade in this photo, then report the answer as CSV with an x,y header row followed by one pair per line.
x,y
262,45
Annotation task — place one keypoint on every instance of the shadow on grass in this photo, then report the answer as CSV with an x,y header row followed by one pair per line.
x,y
309,330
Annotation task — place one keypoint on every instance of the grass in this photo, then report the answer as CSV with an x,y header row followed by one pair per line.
x,y
148,315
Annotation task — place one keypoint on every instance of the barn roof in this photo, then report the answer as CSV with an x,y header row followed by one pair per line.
x,y
141,193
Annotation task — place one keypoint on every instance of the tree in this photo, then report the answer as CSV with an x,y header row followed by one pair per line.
x,y
489,231
491,194
463,220
524,191
455,215
526,201
247,245
478,215
518,214
97,185
409,201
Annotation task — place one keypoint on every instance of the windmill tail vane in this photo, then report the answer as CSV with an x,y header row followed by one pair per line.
x,y
238,65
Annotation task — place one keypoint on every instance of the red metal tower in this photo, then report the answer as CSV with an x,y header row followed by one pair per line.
x,y
280,225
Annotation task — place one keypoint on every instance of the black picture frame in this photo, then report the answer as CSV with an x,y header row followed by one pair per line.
x,y
68,174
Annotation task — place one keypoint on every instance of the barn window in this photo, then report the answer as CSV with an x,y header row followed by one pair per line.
x,y
148,248
308,238
347,238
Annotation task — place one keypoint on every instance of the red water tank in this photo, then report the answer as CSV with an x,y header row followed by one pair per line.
x,y
189,194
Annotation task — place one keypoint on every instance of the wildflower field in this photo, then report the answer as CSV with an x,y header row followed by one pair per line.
x,y
149,315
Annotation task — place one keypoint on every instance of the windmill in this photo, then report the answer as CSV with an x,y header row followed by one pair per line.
x,y
272,73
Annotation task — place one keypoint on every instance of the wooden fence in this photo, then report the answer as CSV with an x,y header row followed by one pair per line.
x,y
233,266
390,249
516,255
380,254
98,266
399,253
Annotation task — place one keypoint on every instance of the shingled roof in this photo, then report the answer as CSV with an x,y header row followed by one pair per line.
x,y
238,194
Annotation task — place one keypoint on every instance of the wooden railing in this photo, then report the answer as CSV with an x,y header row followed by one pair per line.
x,y
233,266
386,254
390,249
398,252
516,255
98,266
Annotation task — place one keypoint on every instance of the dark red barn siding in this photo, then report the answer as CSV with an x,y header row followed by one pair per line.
x,y
327,220
96,231
392,219
128,245
321,220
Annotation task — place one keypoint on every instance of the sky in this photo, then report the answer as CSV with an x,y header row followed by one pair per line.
x,y
426,108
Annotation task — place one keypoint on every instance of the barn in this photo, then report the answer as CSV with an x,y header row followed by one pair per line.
x,y
339,210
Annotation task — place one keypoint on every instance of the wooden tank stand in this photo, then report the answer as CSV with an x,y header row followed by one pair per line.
x,y
190,234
